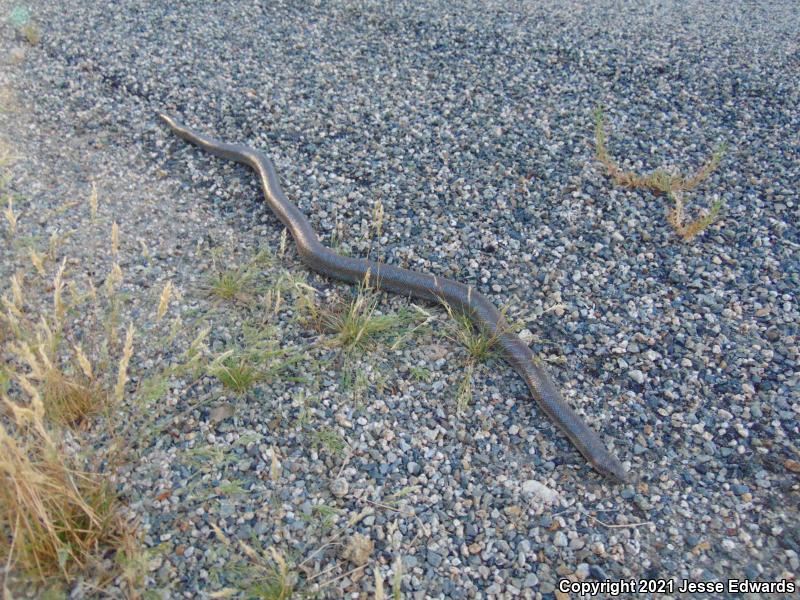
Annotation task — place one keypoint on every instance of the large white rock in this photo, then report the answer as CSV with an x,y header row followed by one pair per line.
x,y
540,491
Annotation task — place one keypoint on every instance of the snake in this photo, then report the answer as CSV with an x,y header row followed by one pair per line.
x,y
423,286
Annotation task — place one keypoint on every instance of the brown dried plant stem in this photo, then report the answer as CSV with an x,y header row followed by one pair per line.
x,y
661,182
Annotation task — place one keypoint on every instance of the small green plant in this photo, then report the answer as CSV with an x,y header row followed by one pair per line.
x,y
327,515
479,343
414,321
232,285
357,322
420,373
230,488
204,455
271,577
323,515
152,389
237,285
481,346
329,439
235,371
673,185
353,324
261,358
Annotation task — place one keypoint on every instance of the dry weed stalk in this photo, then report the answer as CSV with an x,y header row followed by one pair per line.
x,y
163,302
122,371
11,217
114,239
662,182
93,202
37,260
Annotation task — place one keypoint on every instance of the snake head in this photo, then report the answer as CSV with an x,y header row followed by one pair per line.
x,y
610,466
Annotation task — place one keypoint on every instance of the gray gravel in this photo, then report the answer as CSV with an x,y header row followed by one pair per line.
x,y
473,126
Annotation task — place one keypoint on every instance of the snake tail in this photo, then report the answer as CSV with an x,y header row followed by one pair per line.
x,y
419,285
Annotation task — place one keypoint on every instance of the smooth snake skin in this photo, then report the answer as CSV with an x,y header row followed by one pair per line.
x,y
420,285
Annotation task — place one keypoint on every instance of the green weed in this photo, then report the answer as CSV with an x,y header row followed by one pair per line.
x,y
420,374
329,439
238,284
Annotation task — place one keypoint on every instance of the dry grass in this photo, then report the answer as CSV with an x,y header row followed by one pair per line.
x,y
163,301
11,217
32,34
397,579
464,392
266,575
74,388
60,516
673,185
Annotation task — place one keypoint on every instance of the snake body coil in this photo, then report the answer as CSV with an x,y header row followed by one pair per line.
x,y
426,287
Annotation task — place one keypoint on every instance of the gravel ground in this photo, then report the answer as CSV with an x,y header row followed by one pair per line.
x,y
472,124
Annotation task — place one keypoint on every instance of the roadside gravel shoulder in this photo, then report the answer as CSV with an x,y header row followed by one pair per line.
x,y
473,127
